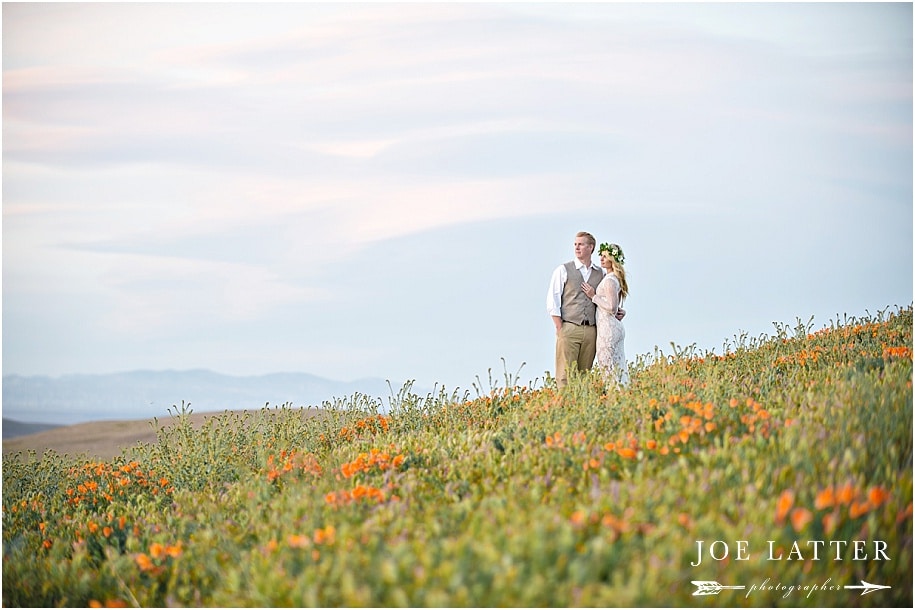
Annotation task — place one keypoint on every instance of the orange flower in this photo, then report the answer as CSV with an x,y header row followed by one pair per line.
x,y
877,496
297,541
156,550
367,492
144,562
845,494
107,531
93,527
858,509
614,523
784,504
325,536
708,411
626,452
825,499
897,352
651,444
800,517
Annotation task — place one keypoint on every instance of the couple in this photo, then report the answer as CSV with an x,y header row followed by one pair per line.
x,y
585,303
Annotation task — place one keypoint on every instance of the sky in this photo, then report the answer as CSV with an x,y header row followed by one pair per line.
x,y
383,190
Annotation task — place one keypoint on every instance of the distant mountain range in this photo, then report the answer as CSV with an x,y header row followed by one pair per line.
x,y
13,428
73,399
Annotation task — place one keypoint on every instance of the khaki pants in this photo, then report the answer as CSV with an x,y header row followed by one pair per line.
x,y
575,346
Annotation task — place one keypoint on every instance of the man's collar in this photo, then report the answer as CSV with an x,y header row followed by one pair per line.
x,y
579,264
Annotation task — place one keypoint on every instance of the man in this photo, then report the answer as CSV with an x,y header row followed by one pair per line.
x,y
573,313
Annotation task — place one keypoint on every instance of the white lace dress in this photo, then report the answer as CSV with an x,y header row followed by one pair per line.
x,y
611,355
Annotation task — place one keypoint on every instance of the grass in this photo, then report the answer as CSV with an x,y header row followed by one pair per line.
x,y
99,440
517,496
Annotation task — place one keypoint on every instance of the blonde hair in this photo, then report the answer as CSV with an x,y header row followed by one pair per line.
x,y
588,237
620,272
615,256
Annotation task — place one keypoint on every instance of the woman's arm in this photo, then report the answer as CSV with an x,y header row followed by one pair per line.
x,y
607,295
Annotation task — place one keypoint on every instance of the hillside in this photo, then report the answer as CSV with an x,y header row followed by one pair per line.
x,y
776,474
99,440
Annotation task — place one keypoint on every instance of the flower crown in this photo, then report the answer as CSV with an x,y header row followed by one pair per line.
x,y
614,251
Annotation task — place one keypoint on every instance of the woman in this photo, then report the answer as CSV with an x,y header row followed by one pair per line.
x,y
611,357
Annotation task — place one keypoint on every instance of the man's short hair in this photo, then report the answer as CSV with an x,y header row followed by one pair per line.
x,y
587,236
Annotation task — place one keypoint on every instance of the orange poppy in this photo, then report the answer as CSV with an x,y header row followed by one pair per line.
x,y
800,517
784,504
877,496
825,499
626,452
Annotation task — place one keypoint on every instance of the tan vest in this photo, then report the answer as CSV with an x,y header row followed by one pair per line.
x,y
576,306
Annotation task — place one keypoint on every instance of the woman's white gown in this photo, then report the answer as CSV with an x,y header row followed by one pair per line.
x,y
611,355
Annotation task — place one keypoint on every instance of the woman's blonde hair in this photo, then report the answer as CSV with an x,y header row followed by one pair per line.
x,y
620,273
616,256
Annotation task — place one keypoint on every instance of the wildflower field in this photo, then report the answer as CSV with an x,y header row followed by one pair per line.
x,y
778,473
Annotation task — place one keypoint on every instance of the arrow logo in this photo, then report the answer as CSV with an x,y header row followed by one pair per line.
x,y
867,587
711,587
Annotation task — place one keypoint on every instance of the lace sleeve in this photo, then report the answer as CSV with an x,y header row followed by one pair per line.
x,y
607,296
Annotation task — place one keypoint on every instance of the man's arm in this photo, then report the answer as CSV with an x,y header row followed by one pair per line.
x,y
554,296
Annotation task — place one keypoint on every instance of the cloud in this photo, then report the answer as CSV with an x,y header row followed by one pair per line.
x,y
152,293
200,170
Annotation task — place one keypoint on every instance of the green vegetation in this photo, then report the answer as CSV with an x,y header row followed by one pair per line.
x,y
520,496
